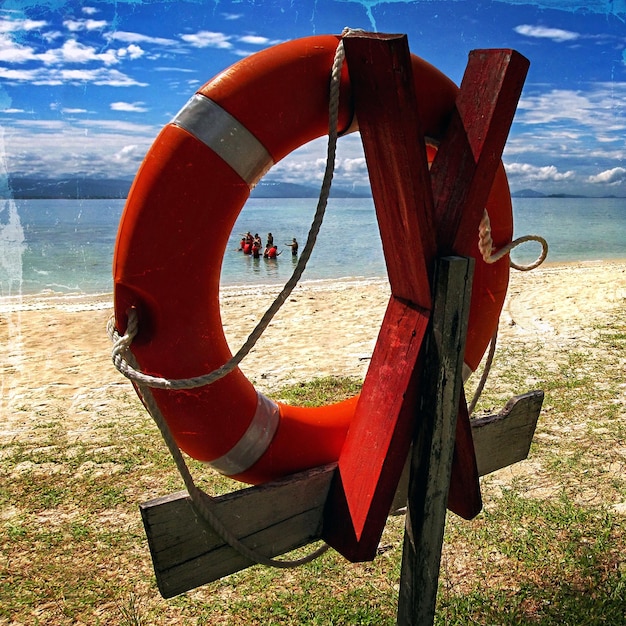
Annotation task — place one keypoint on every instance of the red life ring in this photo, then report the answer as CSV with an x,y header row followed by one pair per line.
x,y
182,207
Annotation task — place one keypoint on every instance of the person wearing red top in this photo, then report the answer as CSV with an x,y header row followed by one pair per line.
x,y
271,252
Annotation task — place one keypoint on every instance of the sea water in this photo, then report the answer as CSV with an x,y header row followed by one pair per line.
x,y
66,246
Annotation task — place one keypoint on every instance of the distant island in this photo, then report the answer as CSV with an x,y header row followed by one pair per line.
x,y
109,188
532,193
105,188
68,188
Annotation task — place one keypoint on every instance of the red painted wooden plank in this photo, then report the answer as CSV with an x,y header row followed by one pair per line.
x,y
371,461
393,141
462,174
379,438
465,165
464,496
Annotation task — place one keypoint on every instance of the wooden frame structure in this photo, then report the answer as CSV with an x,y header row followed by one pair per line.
x,y
416,365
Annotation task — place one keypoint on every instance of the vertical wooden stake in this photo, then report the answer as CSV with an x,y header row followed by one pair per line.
x,y
433,443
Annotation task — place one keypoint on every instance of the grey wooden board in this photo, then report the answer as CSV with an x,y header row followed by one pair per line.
x,y
503,439
280,516
273,518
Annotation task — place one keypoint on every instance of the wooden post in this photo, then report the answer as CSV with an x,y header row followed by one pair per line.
x,y
433,443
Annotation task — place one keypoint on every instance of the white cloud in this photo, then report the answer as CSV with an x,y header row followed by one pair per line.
x,y
112,78
52,35
72,111
75,26
129,154
614,176
73,51
230,17
352,166
208,39
22,76
254,40
129,107
12,110
598,111
546,173
132,52
542,32
66,147
9,26
10,52
557,104
47,76
90,10
306,164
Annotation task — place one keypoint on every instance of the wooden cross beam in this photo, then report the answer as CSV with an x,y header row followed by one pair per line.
x,y
411,215
280,516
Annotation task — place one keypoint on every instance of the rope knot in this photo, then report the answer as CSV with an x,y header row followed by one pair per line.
x,y
485,245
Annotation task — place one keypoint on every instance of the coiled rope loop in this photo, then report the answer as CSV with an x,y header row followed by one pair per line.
x,y
485,245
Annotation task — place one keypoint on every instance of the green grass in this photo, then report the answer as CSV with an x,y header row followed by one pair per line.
x,y
319,391
547,549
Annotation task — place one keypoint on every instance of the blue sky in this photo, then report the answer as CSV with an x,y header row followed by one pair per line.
x,y
86,86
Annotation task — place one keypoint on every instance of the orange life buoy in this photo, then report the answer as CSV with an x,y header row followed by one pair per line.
x,y
181,209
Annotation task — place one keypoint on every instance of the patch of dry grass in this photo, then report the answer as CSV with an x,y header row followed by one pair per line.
x,y
547,549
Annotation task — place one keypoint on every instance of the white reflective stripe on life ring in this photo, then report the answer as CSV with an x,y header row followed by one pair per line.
x,y
254,442
220,131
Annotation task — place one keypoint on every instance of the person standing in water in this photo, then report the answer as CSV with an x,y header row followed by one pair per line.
x,y
271,252
294,247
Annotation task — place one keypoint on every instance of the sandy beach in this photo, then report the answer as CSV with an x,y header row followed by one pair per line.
x,y
80,452
55,358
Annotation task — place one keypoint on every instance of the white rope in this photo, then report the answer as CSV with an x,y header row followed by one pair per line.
x,y
485,374
485,245
203,503
125,362
139,377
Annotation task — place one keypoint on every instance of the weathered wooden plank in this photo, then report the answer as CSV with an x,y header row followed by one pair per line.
x,y
503,439
273,518
379,437
186,554
433,443
383,91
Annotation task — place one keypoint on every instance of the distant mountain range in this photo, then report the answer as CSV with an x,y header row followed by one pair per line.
x,y
531,193
94,188
87,188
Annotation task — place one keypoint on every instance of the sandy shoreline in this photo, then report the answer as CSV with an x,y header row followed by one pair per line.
x,y
55,361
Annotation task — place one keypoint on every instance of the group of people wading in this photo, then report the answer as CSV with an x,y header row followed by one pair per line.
x,y
253,246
